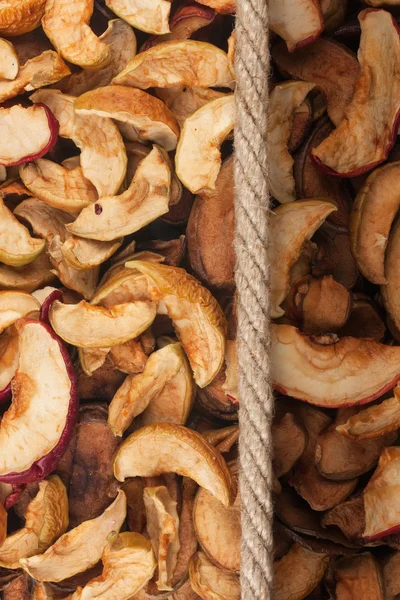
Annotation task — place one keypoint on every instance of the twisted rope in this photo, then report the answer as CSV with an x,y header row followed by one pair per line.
x,y
251,239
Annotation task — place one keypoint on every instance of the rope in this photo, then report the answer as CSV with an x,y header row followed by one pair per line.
x,y
251,239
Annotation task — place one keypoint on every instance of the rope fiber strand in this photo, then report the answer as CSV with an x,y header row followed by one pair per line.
x,y
251,241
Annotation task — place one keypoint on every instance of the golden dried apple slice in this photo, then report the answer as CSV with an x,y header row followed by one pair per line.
x,y
198,156
20,16
390,290
146,199
85,254
66,24
37,274
148,116
182,62
92,359
298,22
165,448
284,100
46,518
151,17
9,357
17,247
9,63
197,317
80,548
14,305
211,582
185,100
331,372
62,188
291,225
358,576
121,285
368,129
45,220
163,530
298,572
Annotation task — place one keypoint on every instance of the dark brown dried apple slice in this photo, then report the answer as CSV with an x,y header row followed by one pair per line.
x,y
358,577
28,278
391,576
349,517
298,573
289,440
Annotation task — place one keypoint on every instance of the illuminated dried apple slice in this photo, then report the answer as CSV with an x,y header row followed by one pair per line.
x,y
165,448
80,548
187,19
87,326
209,581
298,572
284,100
27,133
66,25
62,188
148,115
291,225
121,285
358,145
38,273
197,317
46,518
20,16
358,576
17,247
298,22
84,254
14,305
186,62
163,530
9,358
198,156
151,17
374,421
185,100
8,60
332,372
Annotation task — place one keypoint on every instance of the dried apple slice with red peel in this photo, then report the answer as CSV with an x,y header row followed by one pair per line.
x,y
50,295
298,573
147,115
165,448
298,22
80,548
151,17
197,317
188,19
374,421
46,518
211,582
27,133
331,372
223,7
291,225
20,16
14,305
198,156
66,25
185,62
357,145
8,60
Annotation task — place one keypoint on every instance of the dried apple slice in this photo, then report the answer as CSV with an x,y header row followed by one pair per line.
x,y
20,16
80,548
198,157
8,60
28,278
331,372
390,290
14,305
67,27
298,22
291,225
62,188
148,116
186,62
357,145
374,421
8,361
46,518
211,582
185,100
146,199
197,317
358,577
164,448
17,247
84,254
149,17
298,573
391,572
289,439
163,530
27,133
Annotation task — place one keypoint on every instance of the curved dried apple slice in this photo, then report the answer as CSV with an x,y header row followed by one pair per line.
x,y
298,22
358,576
331,372
87,326
368,129
291,225
298,573
8,361
187,19
66,25
148,115
164,448
17,247
186,62
151,17
391,289
8,60
374,421
14,305
198,157
185,100
121,285
20,16
84,254
27,133
80,548
146,199
211,582
62,188
28,278
197,317
46,518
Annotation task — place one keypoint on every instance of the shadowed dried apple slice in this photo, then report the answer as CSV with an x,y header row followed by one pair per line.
x,y
331,372
62,188
147,115
197,317
198,157
298,573
165,448
66,25
289,442
185,62
14,305
212,582
151,17
298,22
27,133
373,421
46,518
20,16
334,12
391,289
17,247
163,530
357,145
391,576
38,273
291,225
358,577
349,517
8,60
80,548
